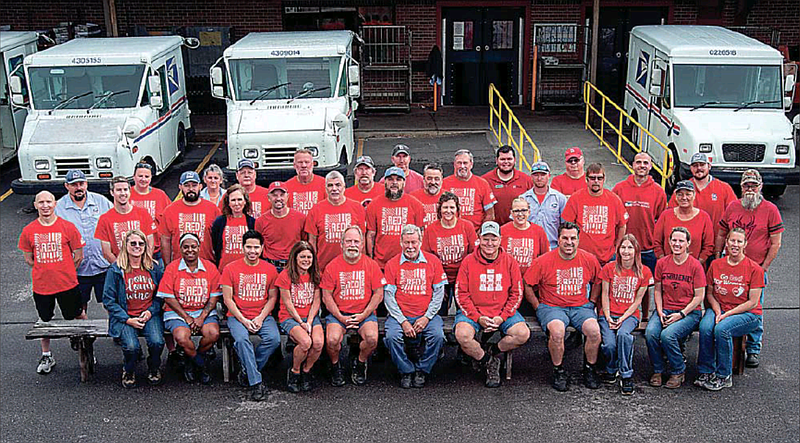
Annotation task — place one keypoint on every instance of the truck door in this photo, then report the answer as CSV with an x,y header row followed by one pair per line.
x,y
166,134
659,119
11,118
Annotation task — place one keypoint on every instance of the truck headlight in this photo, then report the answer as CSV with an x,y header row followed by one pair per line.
x,y
250,153
41,165
313,150
103,162
705,147
782,149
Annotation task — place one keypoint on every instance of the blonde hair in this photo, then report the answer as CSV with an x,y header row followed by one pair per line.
x,y
123,261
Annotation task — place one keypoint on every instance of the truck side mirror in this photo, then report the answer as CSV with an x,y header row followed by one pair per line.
x,y
788,84
354,74
354,91
154,83
17,97
156,102
655,83
216,76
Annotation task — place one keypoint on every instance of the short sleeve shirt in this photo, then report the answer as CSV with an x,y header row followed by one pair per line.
x,y
430,204
598,218
301,293
678,282
327,223
758,226
364,198
415,282
191,289
250,285
352,284
303,197
112,226
139,291
567,185
713,199
387,218
644,205
52,247
523,245
450,245
563,283
180,218
732,283
154,202
506,191
280,234
232,248
474,196
623,287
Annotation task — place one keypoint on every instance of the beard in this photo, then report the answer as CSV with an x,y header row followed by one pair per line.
x,y
79,196
191,197
391,195
751,202
506,170
351,254
433,189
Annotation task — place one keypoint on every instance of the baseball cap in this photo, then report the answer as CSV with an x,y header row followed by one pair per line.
x,y
699,157
684,185
189,176
245,163
277,185
751,176
400,149
540,167
573,152
75,176
365,160
394,170
490,227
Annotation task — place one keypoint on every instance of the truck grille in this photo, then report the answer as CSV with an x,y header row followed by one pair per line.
x,y
278,157
63,165
743,152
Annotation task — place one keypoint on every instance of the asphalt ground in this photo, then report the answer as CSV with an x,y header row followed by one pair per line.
x,y
762,406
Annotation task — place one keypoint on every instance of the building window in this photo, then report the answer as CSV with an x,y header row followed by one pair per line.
x,y
503,34
562,38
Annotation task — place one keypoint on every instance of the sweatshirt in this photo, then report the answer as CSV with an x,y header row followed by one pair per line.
x,y
488,289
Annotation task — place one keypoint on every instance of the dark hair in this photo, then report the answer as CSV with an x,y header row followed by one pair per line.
x,y
434,167
252,234
682,230
226,200
143,165
568,225
445,197
117,179
504,150
291,263
594,168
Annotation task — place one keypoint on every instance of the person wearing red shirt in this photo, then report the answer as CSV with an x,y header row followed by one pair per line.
x,y
352,288
690,217
387,215
476,198
644,200
328,219
119,220
735,283
222,243
258,195
488,293
413,295
281,226
506,183
711,195
152,200
249,293
680,286
364,190
524,241
599,213
53,248
572,180
401,158
625,283
429,195
561,278
305,189
189,214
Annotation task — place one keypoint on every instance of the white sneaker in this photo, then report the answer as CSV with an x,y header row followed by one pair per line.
x,y
46,364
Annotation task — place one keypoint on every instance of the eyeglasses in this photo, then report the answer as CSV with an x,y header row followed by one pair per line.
x,y
573,160
136,243
750,186
519,211
595,178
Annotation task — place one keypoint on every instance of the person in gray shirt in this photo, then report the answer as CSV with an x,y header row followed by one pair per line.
x,y
546,203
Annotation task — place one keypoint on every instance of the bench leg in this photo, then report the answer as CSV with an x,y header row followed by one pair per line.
x,y
739,354
86,357
226,360
509,361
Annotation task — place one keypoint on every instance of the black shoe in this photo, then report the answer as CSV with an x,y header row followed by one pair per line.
x,y
259,392
189,370
751,361
560,380
419,380
626,386
128,379
210,355
590,378
75,343
306,381
242,378
608,378
205,377
337,374
292,381
154,377
405,381
493,379
175,361
359,372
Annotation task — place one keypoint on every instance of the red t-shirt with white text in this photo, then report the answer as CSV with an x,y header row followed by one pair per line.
x,y
386,218
564,283
524,245
191,289
327,223
598,217
303,197
139,291
301,293
180,218
52,247
352,284
623,287
112,226
430,203
280,234
732,284
154,202
414,282
450,245
250,284
474,196
506,192
644,205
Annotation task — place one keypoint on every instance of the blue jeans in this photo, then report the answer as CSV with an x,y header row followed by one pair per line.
x,y
716,341
153,333
617,345
667,341
254,358
396,343
649,259
753,345
449,293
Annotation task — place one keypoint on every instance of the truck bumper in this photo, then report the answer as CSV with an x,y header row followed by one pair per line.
x,y
771,176
24,187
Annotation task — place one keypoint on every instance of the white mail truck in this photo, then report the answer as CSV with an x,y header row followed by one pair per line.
x,y
14,46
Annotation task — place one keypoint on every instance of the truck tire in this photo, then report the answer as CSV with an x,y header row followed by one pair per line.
x,y
180,140
673,179
774,191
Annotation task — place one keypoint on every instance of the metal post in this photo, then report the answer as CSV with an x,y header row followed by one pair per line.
x,y
602,120
619,139
595,37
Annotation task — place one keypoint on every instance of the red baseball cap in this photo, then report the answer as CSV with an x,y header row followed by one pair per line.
x,y
277,185
573,152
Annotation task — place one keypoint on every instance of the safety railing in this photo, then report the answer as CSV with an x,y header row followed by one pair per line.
x,y
508,131
667,160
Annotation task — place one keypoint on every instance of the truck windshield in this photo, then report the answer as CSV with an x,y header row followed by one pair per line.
x,y
80,87
252,78
727,86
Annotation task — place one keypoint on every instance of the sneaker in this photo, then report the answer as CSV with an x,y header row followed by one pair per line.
x,y
608,377
560,380
175,362
259,392
626,386
702,379
655,380
154,377
189,368
337,374
306,381
590,378
719,383
751,361
674,382
205,376
359,372
419,379
128,379
292,381
46,363
242,378
405,381
493,379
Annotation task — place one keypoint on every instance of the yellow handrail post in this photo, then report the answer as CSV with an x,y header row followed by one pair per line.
x,y
619,137
586,100
603,118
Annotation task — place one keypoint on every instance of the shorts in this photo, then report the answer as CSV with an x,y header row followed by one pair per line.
x,y
504,327
571,316
331,319
174,323
288,324
69,302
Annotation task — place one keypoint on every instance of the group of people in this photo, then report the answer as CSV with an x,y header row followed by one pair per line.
x,y
316,259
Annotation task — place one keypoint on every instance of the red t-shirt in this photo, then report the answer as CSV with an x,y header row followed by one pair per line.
x,y
280,234
598,217
474,196
352,284
180,218
490,289
154,202
250,284
678,282
758,225
139,291
430,203
259,202
713,199
232,249
699,227
112,226
191,289
451,245
564,283
387,218
328,222
506,191
623,286
364,198
524,245
644,205
303,197
52,247
567,185
302,294
414,282
732,284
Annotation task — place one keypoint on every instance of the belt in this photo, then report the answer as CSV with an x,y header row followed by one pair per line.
x,y
281,263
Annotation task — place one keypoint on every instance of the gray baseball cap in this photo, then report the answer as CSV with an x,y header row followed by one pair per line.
x,y
490,227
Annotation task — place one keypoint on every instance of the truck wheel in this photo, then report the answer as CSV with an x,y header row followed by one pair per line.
x,y
181,140
774,191
673,179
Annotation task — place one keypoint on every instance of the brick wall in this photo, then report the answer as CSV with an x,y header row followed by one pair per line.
x,y
781,14
421,20
33,15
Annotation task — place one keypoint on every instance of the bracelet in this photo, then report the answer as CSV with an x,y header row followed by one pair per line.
x,y
682,314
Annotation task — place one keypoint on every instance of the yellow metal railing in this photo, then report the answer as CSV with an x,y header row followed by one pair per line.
x,y
667,161
509,131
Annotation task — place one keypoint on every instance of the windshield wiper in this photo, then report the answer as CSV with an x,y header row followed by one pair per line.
x,y
714,102
266,92
755,102
102,98
66,102
308,91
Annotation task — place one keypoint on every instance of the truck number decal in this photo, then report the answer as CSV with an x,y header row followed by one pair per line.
x,y
85,60
285,53
722,52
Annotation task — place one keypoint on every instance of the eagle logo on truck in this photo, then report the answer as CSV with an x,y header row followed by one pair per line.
x,y
641,69
172,76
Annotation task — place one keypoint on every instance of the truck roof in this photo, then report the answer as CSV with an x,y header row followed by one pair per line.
x,y
12,39
696,42
120,50
290,44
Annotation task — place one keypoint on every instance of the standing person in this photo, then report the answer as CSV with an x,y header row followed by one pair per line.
x,y
119,220
711,195
281,226
474,194
83,209
249,293
133,309
53,248
214,180
189,214
488,292
599,213
506,183
563,277
524,241
625,283
299,314
328,219
305,189
679,292
450,239
401,158
258,195
644,201
387,215
223,238
364,190
546,204
413,295
429,195
151,199
572,180
695,220
734,289
763,227
352,288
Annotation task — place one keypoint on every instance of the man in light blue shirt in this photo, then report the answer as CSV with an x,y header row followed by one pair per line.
x,y
83,209
546,203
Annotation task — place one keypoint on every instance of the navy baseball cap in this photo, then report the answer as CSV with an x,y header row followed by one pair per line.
x,y
245,163
189,176
684,185
394,170
75,176
540,167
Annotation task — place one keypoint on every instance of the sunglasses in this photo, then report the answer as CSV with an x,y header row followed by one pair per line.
x,y
519,211
573,160
136,243
596,178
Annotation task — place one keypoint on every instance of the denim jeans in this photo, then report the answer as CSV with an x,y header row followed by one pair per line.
x,y
395,341
667,341
716,341
153,333
254,358
753,345
617,345
649,259
449,293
